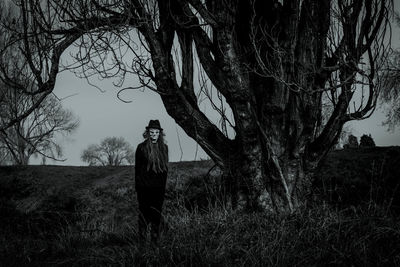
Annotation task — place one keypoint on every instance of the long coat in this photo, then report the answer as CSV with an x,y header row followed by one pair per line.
x,y
144,177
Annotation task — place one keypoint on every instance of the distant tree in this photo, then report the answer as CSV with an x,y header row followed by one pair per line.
x,y
112,151
367,141
352,142
344,137
36,133
5,158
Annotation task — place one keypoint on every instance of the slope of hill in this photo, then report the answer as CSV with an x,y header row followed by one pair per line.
x,y
107,192
352,176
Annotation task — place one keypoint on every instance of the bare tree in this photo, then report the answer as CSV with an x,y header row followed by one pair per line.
x,y
35,134
272,61
5,158
29,58
112,151
390,96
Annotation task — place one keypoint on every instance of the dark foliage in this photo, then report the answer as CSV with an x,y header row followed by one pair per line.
x,y
352,142
367,141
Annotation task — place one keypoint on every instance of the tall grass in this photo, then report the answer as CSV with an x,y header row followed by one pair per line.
x,y
200,229
318,236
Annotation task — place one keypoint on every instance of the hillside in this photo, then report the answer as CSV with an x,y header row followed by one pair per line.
x,y
346,176
351,176
87,215
107,192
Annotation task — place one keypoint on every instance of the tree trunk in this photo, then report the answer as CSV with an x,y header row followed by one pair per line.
x,y
258,180
23,158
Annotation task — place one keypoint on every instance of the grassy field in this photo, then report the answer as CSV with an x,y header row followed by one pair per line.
x,y
86,216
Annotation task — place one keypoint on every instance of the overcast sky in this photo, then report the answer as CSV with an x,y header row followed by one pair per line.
x,y
103,114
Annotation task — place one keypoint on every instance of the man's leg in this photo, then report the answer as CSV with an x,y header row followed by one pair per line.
x,y
157,201
144,210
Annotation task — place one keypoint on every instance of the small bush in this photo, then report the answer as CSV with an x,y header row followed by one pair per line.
x,y
367,141
352,142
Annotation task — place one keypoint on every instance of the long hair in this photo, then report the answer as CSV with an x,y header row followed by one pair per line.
x,y
156,154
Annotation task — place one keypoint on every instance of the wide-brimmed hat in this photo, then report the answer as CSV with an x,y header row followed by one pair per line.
x,y
154,124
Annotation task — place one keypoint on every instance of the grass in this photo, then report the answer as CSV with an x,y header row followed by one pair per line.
x,y
83,216
316,237
352,176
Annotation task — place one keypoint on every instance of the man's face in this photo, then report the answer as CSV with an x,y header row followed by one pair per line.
x,y
154,134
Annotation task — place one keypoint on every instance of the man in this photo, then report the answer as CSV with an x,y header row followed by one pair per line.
x,y
151,168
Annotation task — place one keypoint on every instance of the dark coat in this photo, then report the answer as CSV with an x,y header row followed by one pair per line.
x,y
144,177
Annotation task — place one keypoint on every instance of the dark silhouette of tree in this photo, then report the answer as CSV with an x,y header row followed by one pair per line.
x,y
112,151
367,141
352,142
276,64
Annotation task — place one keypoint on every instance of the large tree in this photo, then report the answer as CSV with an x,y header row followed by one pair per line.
x,y
272,61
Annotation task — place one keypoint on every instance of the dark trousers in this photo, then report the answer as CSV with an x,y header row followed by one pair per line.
x,y
150,201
